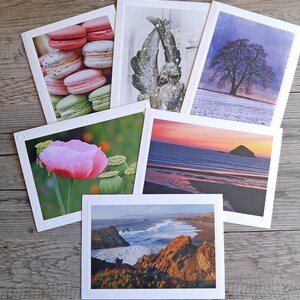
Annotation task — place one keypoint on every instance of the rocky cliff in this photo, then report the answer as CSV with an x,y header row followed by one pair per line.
x,y
107,237
181,259
100,265
242,151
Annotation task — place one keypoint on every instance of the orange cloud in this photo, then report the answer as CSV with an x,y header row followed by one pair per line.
x,y
210,138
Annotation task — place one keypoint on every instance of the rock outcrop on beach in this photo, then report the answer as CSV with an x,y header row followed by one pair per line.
x,y
181,259
107,237
100,265
242,151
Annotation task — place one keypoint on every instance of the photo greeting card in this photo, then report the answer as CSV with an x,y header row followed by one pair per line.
x,y
244,67
71,63
152,247
197,155
156,49
94,154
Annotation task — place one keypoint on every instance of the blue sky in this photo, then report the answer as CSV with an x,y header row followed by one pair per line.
x,y
276,43
141,211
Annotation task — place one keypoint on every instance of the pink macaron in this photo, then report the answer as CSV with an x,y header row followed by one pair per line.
x,y
56,86
69,38
98,29
60,64
84,81
42,67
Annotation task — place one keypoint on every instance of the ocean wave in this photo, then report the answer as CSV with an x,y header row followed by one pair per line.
x,y
167,229
130,254
145,242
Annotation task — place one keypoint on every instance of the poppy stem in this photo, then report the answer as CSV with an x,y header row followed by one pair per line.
x,y
69,194
58,196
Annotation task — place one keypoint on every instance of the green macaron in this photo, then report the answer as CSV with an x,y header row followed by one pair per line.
x,y
73,106
100,98
54,100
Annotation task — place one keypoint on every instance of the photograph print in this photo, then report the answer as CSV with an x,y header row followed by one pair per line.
x,y
153,246
98,157
159,44
75,64
193,156
244,69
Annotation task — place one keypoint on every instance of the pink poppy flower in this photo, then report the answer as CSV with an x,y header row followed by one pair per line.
x,y
74,159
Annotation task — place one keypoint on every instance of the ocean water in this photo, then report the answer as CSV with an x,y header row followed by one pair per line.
x,y
174,165
145,236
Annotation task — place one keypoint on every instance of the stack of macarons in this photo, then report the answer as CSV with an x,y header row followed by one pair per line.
x,y
77,70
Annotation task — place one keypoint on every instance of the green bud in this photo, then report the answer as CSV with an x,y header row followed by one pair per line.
x,y
40,147
130,172
117,163
110,183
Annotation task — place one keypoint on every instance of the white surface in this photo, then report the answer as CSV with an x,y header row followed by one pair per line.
x,y
227,107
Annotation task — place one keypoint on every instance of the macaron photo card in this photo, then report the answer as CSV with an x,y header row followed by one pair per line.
x,y
195,155
92,154
244,67
71,62
155,52
152,247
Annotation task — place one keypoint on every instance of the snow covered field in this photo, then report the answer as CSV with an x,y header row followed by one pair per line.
x,y
223,106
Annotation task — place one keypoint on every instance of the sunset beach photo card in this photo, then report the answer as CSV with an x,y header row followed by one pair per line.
x,y
156,48
244,67
71,63
94,154
190,154
152,247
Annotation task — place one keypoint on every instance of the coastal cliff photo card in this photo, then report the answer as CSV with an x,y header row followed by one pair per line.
x,y
156,49
152,247
71,63
95,154
244,67
190,154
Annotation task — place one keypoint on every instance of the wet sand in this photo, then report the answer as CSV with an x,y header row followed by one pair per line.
x,y
243,200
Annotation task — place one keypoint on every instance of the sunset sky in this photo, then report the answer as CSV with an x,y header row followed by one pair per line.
x,y
210,138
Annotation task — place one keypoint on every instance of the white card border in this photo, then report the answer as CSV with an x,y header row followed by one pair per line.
x,y
89,200
116,93
33,60
23,136
290,70
231,217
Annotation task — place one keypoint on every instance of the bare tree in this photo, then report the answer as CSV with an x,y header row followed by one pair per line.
x,y
241,65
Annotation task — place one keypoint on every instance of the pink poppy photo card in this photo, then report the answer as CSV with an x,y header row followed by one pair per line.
x,y
94,154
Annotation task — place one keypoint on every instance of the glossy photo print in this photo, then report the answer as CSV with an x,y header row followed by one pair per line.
x,y
194,157
158,42
99,158
247,70
157,243
72,64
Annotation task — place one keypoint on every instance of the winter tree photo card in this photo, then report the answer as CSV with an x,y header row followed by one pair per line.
x,y
244,67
